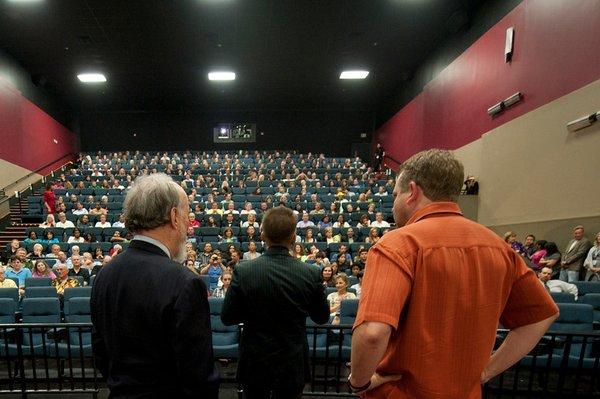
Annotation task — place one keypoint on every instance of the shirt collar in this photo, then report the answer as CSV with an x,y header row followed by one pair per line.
x,y
152,241
433,209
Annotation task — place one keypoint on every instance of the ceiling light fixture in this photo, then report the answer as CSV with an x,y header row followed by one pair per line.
x,y
221,75
358,74
91,78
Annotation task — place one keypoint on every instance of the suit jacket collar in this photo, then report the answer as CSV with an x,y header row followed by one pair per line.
x,y
146,246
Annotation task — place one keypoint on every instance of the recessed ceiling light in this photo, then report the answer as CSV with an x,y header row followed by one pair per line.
x,y
91,77
221,75
354,74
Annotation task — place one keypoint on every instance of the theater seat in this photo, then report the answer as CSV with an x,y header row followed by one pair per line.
x,y
562,297
225,338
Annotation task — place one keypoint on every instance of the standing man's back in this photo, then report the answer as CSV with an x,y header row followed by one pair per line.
x,y
152,335
434,291
272,295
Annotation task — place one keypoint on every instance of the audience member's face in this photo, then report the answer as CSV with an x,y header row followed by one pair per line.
x,y
545,274
16,265
22,254
2,275
578,234
226,278
76,260
62,271
528,241
340,284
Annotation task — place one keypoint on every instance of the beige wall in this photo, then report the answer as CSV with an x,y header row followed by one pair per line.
x,y
535,176
10,173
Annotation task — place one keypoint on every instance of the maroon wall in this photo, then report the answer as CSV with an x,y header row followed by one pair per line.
x,y
28,134
555,52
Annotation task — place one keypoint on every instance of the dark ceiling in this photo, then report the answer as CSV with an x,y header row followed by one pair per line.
x,y
286,53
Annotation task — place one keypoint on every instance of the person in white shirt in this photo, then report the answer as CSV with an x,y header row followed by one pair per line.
x,y
231,209
379,222
76,237
556,285
251,221
382,192
63,222
121,222
305,222
248,209
79,209
102,223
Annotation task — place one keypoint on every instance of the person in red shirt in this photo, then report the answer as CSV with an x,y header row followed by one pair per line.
x,y
49,200
192,221
434,291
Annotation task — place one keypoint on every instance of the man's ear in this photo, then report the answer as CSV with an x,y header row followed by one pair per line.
x,y
174,214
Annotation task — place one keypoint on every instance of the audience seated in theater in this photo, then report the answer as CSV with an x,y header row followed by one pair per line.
x,y
116,237
32,238
335,298
327,276
318,209
49,238
19,271
214,270
325,222
299,252
228,236
204,257
329,237
592,261
371,209
54,251
363,221
87,261
305,221
79,209
42,270
63,281
340,222
229,221
37,252
115,250
98,256
251,235
571,265
309,238
211,222
545,276
192,222
381,192
78,270
551,259
379,222
49,222
349,236
83,222
221,290
97,210
373,236
121,222
103,223
344,263
358,286
251,221
251,253
6,282
76,237
248,209
190,264
511,239
529,246
231,209
361,259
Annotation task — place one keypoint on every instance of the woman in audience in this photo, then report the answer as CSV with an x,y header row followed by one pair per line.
x,y
592,261
98,256
228,236
373,236
540,252
551,259
341,222
357,287
327,276
344,263
350,237
192,222
103,223
89,238
299,252
76,237
221,290
329,237
371,208
83,222
335,298
333,208
210,222
511,239
251,254
50,222
42,270
116,237
49,238
37,252
309,238
363,221
32,237
325,222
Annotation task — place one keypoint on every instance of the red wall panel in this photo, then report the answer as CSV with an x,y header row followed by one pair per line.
x,y
29,137
555,53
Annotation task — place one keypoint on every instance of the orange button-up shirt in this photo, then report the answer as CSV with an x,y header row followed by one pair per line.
x,y
443,282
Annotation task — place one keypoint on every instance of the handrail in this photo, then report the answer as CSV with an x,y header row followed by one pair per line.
x,y
38,169
396,161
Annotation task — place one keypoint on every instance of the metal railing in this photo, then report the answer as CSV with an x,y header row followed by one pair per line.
x,y
58,358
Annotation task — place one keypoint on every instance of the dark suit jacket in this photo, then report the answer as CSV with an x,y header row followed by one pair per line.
x,y
272,295
152,335
576,256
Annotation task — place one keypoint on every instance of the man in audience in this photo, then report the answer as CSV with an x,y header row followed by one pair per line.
x,y
6,282
400,343
25,261
54,250
574,256
305,222
529,246
362,258
16,270
120,223
79,209
152,334
62,280
379,222
78,271
274,353
556,285
63,222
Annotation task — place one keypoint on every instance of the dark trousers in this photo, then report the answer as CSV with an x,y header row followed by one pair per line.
x,y
264,392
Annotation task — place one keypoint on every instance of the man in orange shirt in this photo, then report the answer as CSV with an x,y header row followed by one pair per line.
x,y
434,291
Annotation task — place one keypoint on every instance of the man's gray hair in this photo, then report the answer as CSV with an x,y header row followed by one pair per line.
x,y
149,202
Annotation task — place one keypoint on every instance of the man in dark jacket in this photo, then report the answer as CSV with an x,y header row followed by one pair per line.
x,y
152,335
272,295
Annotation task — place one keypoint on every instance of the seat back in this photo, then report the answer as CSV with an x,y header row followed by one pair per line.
x,y
574,318
41,310
588,287
38,282
11,293
348,310
594,301
562,297
7,310
40,292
